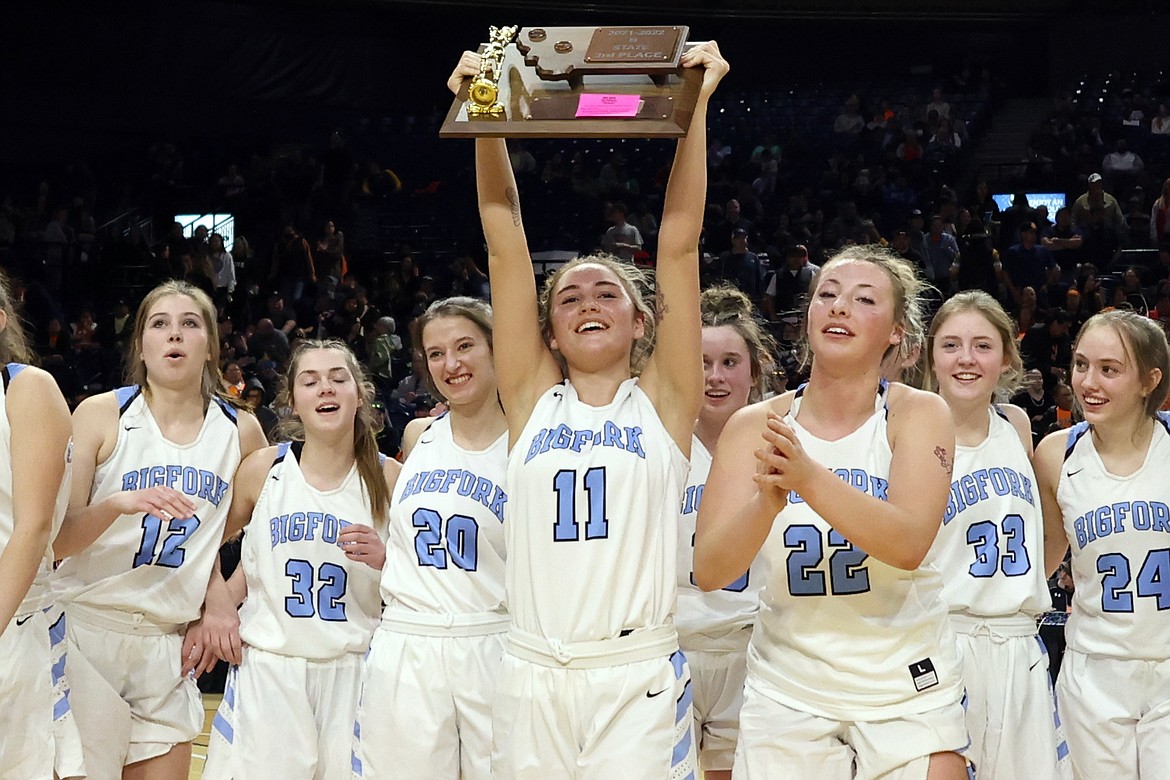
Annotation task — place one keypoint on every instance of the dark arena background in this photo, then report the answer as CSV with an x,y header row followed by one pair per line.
x,y
135,136
129,115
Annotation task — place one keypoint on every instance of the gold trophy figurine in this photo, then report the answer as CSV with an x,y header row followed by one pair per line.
x,y
484,90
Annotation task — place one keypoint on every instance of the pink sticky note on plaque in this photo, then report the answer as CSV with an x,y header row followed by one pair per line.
x,y
591,105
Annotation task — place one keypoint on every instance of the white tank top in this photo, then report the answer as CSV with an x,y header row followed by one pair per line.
x,y
38,596
842,635
592,517
990,548
305,598
445,556
703,618
142,564
1119,530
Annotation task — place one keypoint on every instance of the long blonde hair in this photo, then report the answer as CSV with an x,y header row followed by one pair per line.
x,y
211,380
366,424
14,346
907,287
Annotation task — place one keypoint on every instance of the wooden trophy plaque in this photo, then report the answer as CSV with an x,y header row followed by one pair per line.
x,y
580,82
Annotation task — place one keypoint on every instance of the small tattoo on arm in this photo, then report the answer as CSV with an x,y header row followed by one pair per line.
x,y
944,459
660,307
514,199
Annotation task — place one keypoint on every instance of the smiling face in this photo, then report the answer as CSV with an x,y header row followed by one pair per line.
x,y
459,359
852,312
175,341
727,373
967,357
325,395
594,321
1106,380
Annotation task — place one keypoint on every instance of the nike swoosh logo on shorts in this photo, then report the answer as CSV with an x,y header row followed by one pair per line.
x,y
652,695
20,622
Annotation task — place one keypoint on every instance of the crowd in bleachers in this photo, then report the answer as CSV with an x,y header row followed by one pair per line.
x,y
333,240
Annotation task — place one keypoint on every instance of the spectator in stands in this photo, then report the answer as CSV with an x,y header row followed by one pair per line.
x,y
1064,240
1047,346
268,343
1097,196
1160,124
1159,272
1028,264
622,239
941,253
983,205
939,105
1160,216
644,221
739,265
279,315
905,246
1019,212
1035,402
57,237
789,285
1092,298
467,279
195,269
977,266
1100,242
254,396
1061,415
223,269
292,264
331,252
719,238
910,150
1131,288
233,378
1122,167
849,122
382,344
231,184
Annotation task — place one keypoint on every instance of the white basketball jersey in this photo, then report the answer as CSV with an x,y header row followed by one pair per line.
x,y
717,613
1118,528
38,594
305,598
141,563
445,555
842,635
990,548
592,520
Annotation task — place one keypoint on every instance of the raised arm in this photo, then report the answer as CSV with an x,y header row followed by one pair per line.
x,y
526,368
1047,463
673,378
39,421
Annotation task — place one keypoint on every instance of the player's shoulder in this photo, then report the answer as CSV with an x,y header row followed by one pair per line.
x,y
411,433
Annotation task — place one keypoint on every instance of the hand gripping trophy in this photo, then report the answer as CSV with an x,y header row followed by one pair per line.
x,y
484,91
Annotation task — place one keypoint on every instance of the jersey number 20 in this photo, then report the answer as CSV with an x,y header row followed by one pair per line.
x,y
456,540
